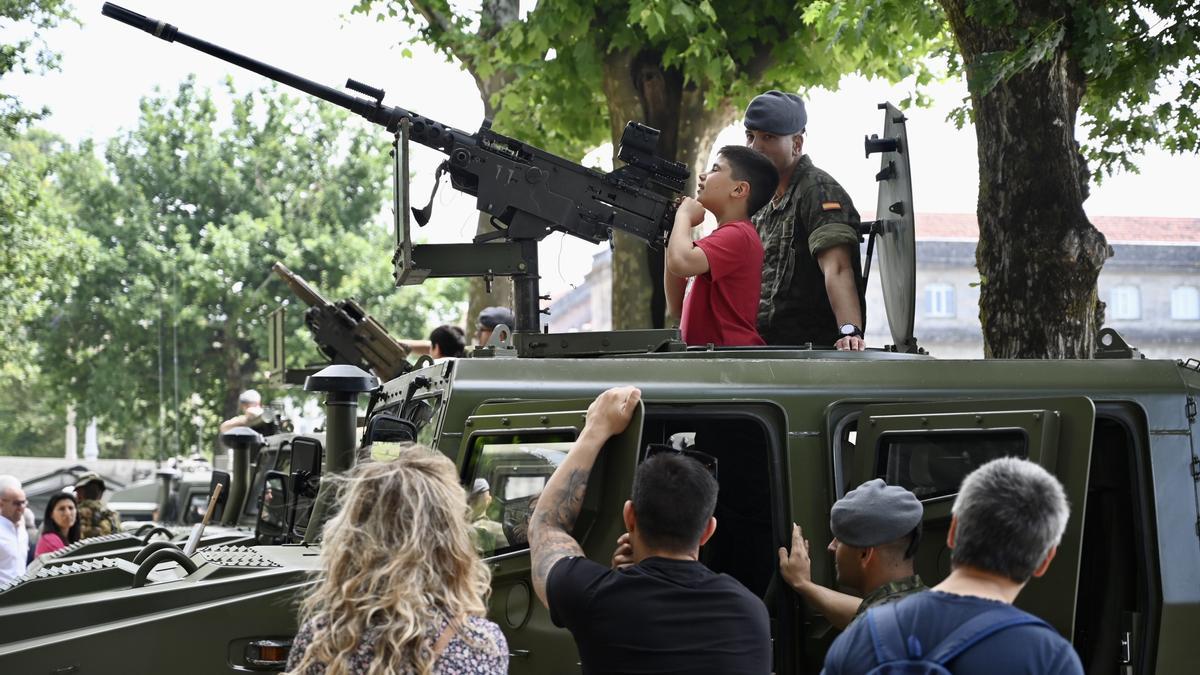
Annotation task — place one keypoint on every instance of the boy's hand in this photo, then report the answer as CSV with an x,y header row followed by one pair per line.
x,y
692,210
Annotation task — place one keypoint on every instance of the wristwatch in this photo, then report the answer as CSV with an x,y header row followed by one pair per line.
x,y
849,330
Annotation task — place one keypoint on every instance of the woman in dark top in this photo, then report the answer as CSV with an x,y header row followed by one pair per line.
x,y
60,524
403,590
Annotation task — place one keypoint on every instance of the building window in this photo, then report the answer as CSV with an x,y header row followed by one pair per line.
x,y
939,301
1185,303
1125,303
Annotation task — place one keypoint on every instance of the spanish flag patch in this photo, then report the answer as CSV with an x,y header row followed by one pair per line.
x,y
831,206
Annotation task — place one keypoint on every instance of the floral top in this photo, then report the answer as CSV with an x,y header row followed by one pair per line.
x,y
477,648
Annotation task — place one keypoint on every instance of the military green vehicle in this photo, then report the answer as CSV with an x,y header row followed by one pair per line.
x,y
792,428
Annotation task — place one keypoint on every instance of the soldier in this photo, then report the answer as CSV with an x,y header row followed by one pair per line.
x,y
489,318
876,529
812,287
95,518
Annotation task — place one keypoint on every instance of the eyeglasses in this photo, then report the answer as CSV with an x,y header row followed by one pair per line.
x,y
706,460
17,502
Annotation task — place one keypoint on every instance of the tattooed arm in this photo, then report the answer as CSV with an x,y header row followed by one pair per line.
x,y
558,506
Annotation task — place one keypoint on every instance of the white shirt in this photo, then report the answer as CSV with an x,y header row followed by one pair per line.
x,y
14,548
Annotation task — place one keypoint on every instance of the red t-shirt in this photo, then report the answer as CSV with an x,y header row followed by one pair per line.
x,y
721,306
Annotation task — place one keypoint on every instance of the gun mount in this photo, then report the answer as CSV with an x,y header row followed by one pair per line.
x,y
528,192
344,332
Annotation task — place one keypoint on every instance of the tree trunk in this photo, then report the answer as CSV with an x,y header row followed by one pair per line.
x,y
1038,255
638,88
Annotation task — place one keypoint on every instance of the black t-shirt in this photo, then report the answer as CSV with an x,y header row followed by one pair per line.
x,y
659,616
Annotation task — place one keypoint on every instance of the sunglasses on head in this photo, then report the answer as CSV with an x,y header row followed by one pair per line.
x,y
706,460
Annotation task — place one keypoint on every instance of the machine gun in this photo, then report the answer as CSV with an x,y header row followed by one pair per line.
x,y
528,192
345,332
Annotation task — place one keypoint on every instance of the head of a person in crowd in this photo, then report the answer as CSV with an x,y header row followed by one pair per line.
x,y
61,517
1008,518
249,399
89,486
489,318
12,500
479,498
876,531
670,513
447,340
740,182
775,124
397,558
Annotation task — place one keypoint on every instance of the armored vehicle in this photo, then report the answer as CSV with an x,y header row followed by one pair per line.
x,y
792,429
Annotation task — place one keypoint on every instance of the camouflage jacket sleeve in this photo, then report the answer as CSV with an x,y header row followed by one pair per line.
x,y
828,216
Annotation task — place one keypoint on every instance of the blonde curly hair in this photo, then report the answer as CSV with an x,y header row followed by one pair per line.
x,y
397,560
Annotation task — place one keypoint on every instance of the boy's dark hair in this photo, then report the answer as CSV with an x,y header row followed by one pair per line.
x,y
450,340
753,167
673,498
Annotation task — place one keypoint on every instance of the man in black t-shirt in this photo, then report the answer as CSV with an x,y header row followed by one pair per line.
x,y
666,613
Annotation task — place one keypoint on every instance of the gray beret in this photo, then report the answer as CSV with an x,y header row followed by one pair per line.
x,y
777,113
874,513
490,317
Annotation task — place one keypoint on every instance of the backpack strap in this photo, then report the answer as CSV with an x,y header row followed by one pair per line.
x,y
886,636
978,628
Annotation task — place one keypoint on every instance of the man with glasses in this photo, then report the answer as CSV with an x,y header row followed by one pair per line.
x,y
666,612
14,541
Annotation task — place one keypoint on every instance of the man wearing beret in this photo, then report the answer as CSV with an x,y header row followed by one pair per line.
x,y
876,529
812,285
489,318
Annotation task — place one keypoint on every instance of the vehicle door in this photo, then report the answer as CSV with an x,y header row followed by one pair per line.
x,y
930,447
515,447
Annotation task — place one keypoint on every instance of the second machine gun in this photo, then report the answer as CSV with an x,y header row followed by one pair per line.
x,y
528,192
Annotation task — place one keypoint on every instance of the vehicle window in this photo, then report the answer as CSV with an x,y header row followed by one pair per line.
x,y
934,464
197,506
266,462
422,413
505,475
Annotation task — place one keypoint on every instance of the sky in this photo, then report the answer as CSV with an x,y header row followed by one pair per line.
x,y
107,67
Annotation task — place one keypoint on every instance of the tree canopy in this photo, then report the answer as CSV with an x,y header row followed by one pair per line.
x,y
165,305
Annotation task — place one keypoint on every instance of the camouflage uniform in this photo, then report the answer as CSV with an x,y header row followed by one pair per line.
x,y
890,592
96,519
794,307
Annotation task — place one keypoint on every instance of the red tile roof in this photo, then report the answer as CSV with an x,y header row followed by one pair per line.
x,y
1118,229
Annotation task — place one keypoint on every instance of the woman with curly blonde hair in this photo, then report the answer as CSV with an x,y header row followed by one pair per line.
x,y
403,589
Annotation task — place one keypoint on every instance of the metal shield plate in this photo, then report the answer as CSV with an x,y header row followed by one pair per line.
x,y
896,240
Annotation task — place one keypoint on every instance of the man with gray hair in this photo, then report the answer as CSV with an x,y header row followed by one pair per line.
x,y
1006,524
14,541
250,411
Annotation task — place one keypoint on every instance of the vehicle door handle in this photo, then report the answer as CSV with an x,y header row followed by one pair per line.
x,y
518,654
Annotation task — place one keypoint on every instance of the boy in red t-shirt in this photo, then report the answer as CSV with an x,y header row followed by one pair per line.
x,y
721,307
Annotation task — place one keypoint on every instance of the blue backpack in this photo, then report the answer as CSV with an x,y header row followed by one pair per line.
x,y
897,655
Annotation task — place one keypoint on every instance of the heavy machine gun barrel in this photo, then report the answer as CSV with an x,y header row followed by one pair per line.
x,y
528,190
345,332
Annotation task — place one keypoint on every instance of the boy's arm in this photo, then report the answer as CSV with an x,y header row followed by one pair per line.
x,y
683,258
674,287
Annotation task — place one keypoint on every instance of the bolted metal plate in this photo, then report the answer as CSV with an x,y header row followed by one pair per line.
x,y
236,556
897,237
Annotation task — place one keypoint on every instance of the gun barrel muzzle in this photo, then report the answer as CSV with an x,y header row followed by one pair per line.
x,y
159,29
